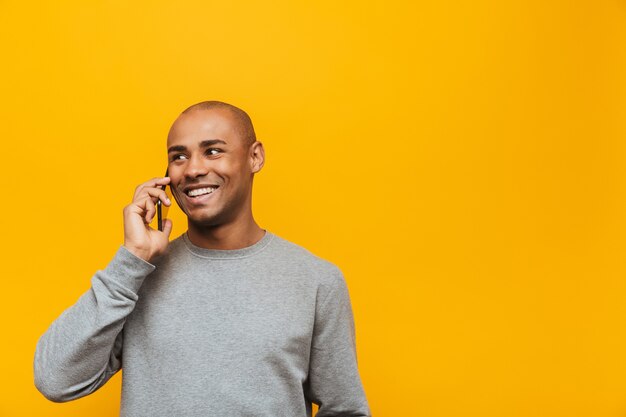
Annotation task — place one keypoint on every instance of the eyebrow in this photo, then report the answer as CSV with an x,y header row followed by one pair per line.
x,y
203,144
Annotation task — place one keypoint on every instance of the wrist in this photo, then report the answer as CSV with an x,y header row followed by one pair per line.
x,y
140,253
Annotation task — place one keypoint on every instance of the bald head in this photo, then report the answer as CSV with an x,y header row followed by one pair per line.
x,y
241,120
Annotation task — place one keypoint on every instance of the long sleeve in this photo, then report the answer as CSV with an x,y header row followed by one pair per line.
x,y
334,382
82,348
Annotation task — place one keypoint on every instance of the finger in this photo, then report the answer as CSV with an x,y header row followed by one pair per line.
x,y
137,208
153,183
167,227
158,194
150,210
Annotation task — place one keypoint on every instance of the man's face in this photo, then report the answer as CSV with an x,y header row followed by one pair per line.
x,y
210,167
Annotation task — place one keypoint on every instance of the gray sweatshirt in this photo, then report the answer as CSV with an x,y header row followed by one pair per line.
x,y
260,331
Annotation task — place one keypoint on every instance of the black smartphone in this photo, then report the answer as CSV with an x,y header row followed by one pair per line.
x,y
161,209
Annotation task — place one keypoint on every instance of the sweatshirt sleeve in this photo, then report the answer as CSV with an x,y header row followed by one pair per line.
x,y
334,383
82,348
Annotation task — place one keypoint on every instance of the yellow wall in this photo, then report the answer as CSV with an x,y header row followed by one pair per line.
x,y
462,163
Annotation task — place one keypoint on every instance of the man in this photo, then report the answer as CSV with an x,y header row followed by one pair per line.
x,y
228,319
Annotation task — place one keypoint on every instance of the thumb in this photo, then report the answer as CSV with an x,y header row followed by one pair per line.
x,y
167,227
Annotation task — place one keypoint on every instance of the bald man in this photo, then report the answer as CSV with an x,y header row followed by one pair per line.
x,y
228,319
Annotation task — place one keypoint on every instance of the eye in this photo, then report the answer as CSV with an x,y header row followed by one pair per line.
x,y
178,157
213,151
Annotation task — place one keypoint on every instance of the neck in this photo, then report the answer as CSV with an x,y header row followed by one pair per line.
x,y
226,236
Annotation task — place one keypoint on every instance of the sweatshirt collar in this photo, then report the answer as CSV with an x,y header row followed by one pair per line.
x,y
229,253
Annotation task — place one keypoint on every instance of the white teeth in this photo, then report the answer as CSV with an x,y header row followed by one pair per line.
x,y
200,191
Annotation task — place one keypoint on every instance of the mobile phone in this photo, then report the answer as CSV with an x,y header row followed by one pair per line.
x,y
161,209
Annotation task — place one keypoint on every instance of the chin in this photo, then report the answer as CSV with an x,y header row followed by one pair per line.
x,y
204,221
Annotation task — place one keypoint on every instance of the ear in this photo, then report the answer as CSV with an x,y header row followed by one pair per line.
x,y
257,157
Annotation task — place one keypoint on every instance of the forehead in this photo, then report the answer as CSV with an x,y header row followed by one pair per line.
x,y
198,125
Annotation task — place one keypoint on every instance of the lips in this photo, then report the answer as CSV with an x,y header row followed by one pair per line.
x,y
195,196
195,187
196,192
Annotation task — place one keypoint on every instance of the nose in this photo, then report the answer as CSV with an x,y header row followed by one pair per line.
x,y
196,167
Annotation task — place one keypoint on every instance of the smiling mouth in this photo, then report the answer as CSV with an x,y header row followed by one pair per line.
x,y
198,192
196,196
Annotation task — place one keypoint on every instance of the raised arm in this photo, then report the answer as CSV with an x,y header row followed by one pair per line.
x,y
82,348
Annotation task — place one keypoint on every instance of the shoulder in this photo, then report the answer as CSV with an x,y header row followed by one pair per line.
x,y
326,273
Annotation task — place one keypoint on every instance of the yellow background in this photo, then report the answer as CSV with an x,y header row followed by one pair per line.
x,y
461,162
